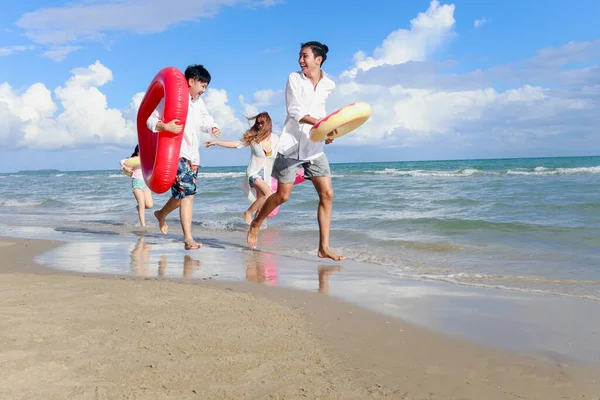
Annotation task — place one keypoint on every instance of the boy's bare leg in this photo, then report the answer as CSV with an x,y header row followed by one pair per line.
x,y
284,190
161,215
185,214
324,189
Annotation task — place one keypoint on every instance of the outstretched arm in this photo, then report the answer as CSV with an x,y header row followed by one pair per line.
x,y
233,144
207,122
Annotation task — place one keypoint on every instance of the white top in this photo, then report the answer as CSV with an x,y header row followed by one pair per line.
x,y
258,161
137,171
198,121
302,98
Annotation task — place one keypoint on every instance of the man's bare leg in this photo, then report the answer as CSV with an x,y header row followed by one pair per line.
x,y
161,215
185,214
324,189
284,190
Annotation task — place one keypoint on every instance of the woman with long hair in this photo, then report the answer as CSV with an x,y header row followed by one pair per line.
x,y
263,144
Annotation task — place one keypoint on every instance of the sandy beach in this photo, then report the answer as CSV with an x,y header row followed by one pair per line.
x,y
67,335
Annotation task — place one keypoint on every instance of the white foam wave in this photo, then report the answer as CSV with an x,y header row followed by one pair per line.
x,y
57,175
425,173
543,171
115,176
478,280
467,172
19,203
225,224
209,175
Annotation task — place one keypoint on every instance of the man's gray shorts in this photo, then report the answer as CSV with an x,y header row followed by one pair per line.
x,y
284,168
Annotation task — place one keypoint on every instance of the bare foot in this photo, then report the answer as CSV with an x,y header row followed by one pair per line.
x,y
162,223
252,238
247,217
192,245
328,253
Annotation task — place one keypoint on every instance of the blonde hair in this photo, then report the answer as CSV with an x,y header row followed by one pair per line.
x,y
257,133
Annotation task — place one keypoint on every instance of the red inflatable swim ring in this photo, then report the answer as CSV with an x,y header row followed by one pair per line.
x,y
159,151
299,179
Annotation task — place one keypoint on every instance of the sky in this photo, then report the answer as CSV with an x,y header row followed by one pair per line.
x,y
445,80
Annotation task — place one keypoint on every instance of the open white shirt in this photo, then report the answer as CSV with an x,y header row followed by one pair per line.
x,y
258,161
198,121
301,99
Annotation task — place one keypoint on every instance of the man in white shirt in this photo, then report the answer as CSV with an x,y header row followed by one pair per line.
x,y
198,120
305,95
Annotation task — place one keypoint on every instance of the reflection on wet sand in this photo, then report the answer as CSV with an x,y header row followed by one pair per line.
x,y
140,257
324,272
189,266
261,267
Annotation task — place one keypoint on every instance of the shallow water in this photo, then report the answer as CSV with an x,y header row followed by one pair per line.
x,y
529,225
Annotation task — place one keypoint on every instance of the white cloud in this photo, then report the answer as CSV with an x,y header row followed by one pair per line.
x,y
6,51
58,53
131,110
92,20
268,98
249,110
415,103
479,22
217,103
427,32
552,97
264,100
412,117
77,115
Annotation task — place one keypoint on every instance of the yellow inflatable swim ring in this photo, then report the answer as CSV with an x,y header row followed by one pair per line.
x,y
345,120
132,162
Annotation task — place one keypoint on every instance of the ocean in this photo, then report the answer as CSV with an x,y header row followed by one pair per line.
x,y
530,225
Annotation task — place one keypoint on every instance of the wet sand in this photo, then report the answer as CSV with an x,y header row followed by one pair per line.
x,y
72,335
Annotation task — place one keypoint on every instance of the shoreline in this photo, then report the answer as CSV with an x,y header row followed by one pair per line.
x,y
513,321
379,355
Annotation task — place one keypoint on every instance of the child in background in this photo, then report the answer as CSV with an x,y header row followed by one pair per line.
x,y
141,192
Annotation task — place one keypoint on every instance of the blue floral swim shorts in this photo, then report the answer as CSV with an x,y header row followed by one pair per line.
x,y
185,181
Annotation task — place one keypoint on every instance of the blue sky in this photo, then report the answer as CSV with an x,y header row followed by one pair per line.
x,y
446,80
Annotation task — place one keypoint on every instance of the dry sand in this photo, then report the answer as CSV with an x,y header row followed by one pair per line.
x,y
64,336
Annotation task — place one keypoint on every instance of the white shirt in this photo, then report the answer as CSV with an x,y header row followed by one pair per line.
x,y
198,121
302,98
258,161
